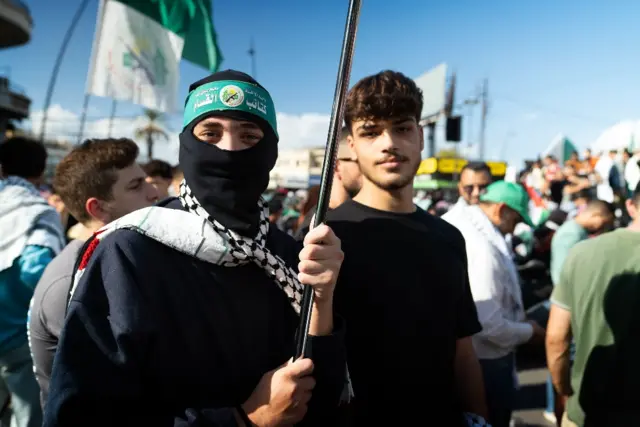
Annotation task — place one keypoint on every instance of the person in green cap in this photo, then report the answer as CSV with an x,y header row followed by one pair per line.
x,y
496,291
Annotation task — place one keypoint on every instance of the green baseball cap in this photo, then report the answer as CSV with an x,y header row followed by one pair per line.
x,y
511,194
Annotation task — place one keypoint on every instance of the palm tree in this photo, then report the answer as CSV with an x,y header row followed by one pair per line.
x,y
151,130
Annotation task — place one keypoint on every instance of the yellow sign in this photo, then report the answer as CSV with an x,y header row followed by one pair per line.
x,y
428,166
452,166
498,168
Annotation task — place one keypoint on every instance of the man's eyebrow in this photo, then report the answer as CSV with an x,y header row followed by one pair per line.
x,y
243,125
249,125
368,126
211,124
401,120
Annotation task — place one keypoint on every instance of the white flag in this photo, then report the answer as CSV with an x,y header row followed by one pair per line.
x,y
135,59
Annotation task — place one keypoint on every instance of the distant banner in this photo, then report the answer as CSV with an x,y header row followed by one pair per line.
x,y
433,84
135,59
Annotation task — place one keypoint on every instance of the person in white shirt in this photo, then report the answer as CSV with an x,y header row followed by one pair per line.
x,y
475,177
496,290
632,172
535,179
605,170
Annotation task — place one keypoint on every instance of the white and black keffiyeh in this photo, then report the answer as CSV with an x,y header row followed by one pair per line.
x,y
26,219
243,250
199,235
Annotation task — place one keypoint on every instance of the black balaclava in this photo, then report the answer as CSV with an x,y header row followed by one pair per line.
x,y
228,184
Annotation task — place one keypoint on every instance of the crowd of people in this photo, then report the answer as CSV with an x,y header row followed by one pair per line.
x,y
175,298
611,177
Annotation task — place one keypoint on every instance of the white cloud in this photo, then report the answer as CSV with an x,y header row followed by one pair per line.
x,y
529,117
296,131
304,130
64,125
625,134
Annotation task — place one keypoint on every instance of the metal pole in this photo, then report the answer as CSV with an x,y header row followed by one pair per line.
x,y
114,103
56,66
328,165
485,107
431,138
252,54
83,119
470,125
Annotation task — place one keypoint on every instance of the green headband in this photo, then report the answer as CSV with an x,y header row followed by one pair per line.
x,y
230,95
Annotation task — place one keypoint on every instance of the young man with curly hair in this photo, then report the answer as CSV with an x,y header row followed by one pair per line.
x,y
403,287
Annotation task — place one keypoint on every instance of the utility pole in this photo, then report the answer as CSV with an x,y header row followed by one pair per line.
x,y
431,138
471,104
252,54
485,108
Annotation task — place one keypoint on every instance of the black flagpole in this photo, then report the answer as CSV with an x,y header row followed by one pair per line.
x,y
328,165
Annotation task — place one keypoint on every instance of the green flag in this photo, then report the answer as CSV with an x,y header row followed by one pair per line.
x,y
568,148
189,19
139,44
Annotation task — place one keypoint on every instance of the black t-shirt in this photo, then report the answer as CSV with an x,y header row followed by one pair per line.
x,y
404,292
306,225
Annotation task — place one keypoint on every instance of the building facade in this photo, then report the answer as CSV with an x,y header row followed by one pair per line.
x,y
15,30
297,168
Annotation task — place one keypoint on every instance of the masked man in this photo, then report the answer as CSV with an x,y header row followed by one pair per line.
x,y
185,314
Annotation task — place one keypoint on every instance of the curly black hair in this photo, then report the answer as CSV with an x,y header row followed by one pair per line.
x,y
386,95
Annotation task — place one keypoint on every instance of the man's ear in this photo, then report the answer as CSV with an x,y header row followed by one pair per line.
x,y
336,170
421,132
96,211
499,209
631,208
351,145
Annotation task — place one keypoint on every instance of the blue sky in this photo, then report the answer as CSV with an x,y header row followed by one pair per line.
x,y
563,66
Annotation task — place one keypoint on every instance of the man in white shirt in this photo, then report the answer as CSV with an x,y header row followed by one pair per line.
x,y
535,179
632,172
496,290
604,169
475,177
